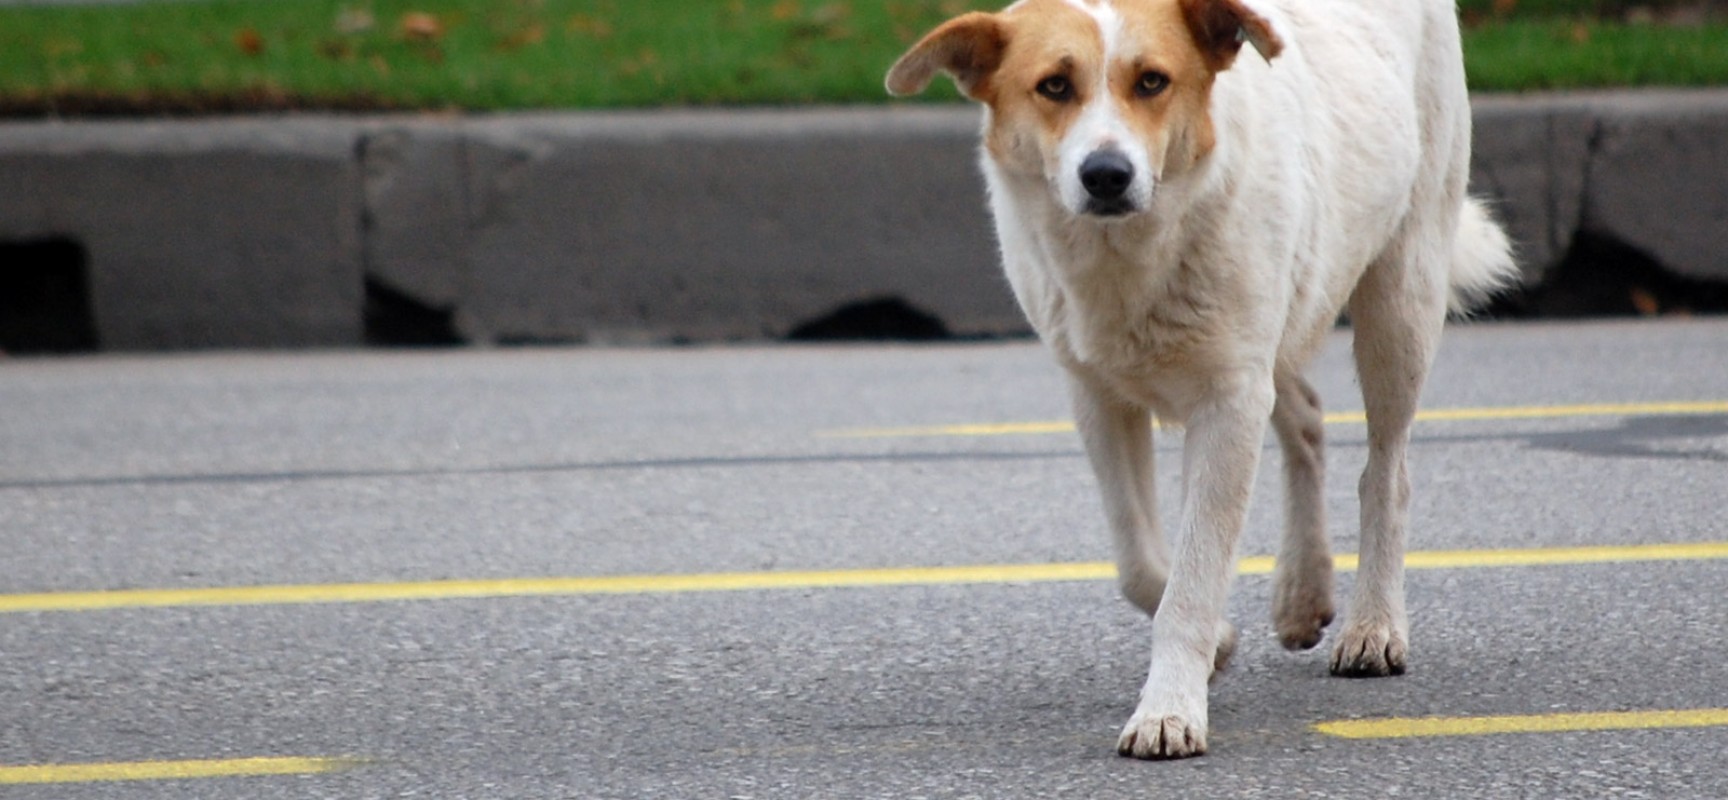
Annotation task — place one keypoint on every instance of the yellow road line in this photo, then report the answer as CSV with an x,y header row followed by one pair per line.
x,y
529,587
810,579
172,770
1662,409
1343,417
1410,727
1557,556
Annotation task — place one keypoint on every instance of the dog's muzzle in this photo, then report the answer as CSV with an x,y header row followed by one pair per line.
x,y
1106,176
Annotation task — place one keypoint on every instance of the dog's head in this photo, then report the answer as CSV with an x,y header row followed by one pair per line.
x,y
1102,98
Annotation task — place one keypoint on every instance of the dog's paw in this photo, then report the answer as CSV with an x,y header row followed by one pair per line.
x,y
1302,606
1301,620
1159,736
1369,651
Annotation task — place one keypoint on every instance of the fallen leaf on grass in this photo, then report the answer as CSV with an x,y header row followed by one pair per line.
x,y
826,22
420,26
336,49
523,37
644,60
250,41
592,27
350,21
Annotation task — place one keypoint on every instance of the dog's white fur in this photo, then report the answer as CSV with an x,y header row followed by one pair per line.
x,y
1335,182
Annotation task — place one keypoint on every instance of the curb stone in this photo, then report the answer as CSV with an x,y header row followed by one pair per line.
x,y
684,225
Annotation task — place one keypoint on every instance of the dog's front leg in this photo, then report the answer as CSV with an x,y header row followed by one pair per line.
x,y
1220,453
1118,438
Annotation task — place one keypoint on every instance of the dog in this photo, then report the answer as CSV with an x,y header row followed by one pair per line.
x,y
1182,223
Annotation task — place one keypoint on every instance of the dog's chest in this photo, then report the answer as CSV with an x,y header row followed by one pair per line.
x,y
1144,327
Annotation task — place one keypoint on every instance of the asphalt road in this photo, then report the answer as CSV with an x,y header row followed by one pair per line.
x,y
417,474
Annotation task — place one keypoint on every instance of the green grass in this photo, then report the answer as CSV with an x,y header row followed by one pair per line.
x,y
1524,55
484,55
241,54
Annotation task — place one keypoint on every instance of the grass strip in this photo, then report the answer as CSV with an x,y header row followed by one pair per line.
x,y
221,55
454,53
1529,55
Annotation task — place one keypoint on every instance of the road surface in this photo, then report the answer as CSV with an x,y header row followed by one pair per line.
x,y
788,571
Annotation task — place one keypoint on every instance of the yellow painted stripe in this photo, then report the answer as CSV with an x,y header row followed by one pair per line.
x,y
812,579
172,770
1525,557
1343,417
1583,410
529,587
1402,728
1557,556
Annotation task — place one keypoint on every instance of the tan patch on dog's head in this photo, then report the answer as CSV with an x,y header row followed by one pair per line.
x,y
1004,60
1068,78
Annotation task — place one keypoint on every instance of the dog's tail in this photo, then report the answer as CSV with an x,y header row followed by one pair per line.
x,y
1482,263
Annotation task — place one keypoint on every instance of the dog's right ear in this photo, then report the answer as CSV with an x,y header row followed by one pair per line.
x,y
1221,26
968,47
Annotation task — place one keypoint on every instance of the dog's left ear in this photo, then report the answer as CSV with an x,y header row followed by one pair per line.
x,y
1221,26
968,47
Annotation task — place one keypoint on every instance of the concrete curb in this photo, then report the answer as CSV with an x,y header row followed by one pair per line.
x,y
1647,168
683,225
235,234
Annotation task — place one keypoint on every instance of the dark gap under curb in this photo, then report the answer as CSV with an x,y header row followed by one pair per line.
x,y
45,302
393,318
1602,276
876,319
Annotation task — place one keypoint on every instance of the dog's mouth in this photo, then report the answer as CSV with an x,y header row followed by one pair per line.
x,y
1111,208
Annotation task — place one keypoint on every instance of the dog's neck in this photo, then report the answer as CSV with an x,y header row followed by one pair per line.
x,y
1121,287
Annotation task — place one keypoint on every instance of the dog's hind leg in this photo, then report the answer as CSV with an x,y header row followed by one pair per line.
x,y
1302,582
1118,439
1396,311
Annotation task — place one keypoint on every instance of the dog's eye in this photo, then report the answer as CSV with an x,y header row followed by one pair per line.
x,y
1151,84
1056,87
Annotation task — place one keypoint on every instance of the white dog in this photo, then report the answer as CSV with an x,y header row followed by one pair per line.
x,y
1182,226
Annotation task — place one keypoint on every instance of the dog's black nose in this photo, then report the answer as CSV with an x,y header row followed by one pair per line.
x,y
1106,174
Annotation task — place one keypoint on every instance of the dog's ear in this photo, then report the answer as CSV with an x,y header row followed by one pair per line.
x,y
968,47
1221,26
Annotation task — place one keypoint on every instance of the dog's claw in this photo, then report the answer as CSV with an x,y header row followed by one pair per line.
x,y
1161,737
1369,652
